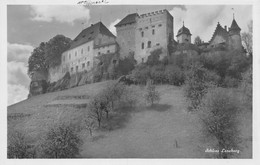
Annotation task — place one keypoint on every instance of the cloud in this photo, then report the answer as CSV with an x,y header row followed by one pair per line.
x,y
17,73
18,80
202,20
16,93
18,52
61,13
112,27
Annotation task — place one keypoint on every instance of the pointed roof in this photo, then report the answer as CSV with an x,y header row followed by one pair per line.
x,y
234,26
183,30
130,18
90,34
219,31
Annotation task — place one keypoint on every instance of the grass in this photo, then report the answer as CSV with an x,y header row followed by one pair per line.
x,y
165,130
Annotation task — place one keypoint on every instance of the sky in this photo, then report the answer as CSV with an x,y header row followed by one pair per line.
x,y
29,25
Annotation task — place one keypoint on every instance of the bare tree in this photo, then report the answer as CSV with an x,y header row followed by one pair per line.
x,y
95,110
18,146
90,125
61,141
219,115
247,39
151,95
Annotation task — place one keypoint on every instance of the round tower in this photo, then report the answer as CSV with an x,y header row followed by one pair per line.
x,y
234,36
183,35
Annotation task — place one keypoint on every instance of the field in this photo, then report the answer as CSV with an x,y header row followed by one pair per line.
x,y
166,130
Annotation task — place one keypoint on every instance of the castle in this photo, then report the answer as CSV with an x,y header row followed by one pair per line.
x,y
137,35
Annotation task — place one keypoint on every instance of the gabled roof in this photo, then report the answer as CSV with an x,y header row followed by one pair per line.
x,y
183,30
130,18
90,34
219,31
234,26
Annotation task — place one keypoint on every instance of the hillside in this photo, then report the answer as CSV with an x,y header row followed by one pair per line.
x,y
164,131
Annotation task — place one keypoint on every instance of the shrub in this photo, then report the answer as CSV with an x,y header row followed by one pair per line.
x,y
61,141
219,116
95,109
196,85
154,57
174,75
18,146
151,95
157,74
246,87
141,74
230,82
126,65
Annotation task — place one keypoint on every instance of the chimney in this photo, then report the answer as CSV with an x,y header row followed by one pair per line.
x,y
225,27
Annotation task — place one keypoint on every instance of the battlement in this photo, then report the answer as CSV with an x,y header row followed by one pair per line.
x,y
152,13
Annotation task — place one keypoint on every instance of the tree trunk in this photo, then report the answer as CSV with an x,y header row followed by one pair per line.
x,y
90,132
107,114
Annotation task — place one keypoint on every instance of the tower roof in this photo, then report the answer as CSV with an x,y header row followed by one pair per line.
x,y
219,31
90,33
130,18
183,30
234,26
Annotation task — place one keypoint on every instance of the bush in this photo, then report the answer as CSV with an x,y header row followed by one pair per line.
x,y
230,82
154,57
157,73
219,116
61,141
196,85
19,147
174,75
151,95
141,74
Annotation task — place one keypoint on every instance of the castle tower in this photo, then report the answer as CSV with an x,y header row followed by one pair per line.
x,y
234,36
126,34
152,32
184,35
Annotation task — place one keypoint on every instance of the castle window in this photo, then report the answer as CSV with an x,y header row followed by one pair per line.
x,y
77,68
157,44
88,63
146,27
160,25
82,51
83,65
142,34
71,69
149,44
153,31
142,45
108,51
99,53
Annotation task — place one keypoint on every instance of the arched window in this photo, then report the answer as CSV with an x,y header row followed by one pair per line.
x,y
148,44
142,34
153,31
142,45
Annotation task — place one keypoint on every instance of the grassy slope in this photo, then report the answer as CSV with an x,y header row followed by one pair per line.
x,y
143,132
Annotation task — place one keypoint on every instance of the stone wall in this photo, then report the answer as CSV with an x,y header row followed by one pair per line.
x,y
153,29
